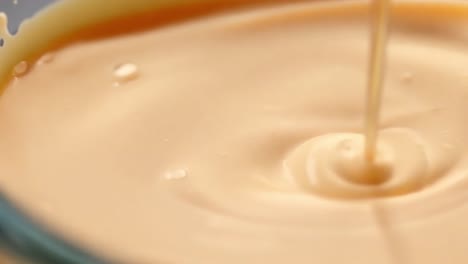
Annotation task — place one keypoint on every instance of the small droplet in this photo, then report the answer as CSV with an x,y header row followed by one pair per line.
x,y
46,58
15,2
3,26
175,174
125,72
21,69
407,77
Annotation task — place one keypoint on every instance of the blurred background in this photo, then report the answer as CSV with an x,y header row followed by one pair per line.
x,y
17,10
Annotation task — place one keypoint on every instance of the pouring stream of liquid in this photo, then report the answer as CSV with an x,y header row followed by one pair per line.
x,y
379,10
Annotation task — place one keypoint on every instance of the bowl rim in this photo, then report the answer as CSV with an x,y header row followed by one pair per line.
x,y
28,240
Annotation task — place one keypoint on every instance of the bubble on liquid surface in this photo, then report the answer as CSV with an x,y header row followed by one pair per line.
x,y
125,72
21,69
175,174
46,58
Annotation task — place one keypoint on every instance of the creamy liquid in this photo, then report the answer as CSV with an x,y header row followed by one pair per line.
x,y
379,29
238,139
3,29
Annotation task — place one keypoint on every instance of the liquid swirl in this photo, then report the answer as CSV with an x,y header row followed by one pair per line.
x,y
333,165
